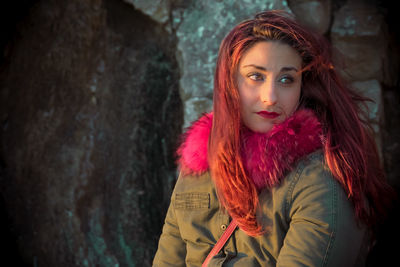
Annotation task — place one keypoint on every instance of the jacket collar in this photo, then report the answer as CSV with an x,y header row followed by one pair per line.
x,y
266,156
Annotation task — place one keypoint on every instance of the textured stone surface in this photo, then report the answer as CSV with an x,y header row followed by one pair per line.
x,y
90,115
315,14
358,34
373,90
158,10
202,27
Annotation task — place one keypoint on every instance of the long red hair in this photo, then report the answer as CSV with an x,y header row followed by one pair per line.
x,y
349,147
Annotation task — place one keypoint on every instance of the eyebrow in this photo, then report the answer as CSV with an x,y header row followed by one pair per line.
x,y
264,69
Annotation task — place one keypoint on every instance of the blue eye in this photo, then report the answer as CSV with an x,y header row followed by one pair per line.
x,y
286,79
255,76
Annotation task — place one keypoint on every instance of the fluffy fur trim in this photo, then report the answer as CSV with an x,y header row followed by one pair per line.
x,y
266,156
192,153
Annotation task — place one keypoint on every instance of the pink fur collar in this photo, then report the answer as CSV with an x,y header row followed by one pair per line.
x,y
266,157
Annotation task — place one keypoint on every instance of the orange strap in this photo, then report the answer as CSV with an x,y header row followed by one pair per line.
x,y
221,242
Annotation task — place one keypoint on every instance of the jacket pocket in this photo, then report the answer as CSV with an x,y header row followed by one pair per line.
x,y
192,201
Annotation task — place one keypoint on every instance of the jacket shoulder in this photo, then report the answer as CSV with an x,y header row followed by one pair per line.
x,y
319,208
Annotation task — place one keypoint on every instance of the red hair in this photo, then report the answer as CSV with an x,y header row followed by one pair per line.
x,y
349,147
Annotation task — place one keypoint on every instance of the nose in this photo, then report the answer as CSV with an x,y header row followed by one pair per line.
x,y
268,93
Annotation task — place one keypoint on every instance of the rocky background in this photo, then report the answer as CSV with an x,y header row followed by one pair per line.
x,y
93,97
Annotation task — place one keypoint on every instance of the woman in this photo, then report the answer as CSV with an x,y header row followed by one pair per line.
x,y
285,155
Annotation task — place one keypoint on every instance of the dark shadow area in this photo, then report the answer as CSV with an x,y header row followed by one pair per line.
x,y
9,252
11,13
385,250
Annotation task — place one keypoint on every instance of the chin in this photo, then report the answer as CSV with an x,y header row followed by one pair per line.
x,y
261,128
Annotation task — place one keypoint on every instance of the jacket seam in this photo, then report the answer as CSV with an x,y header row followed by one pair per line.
x,y
296,178
293,184
332,236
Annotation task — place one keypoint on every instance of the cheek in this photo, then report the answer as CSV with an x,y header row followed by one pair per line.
x,y
246,98
292,100
244,107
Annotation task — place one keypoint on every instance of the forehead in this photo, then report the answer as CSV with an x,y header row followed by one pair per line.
x,y
271,54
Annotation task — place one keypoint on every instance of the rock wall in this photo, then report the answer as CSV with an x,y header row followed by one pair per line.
x,y
94,94
90,111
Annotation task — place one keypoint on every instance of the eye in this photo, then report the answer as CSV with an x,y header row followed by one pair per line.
x,y
255,76
286,79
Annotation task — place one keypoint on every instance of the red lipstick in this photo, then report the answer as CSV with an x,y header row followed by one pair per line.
x,y
268,115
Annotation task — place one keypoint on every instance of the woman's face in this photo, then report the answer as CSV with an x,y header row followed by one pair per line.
x,y
269,82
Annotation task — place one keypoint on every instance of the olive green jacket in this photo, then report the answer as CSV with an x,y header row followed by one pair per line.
x,y
309,222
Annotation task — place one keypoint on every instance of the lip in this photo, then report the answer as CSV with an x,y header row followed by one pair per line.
x,y
268,115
